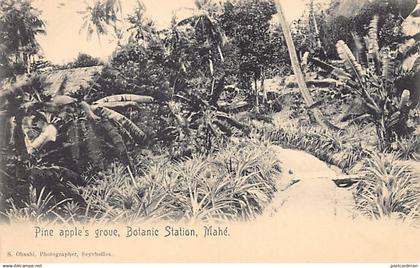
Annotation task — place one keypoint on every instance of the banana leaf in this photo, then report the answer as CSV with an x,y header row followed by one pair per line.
x,y
125,98
117,142
373,44
350,63
92,144
228,119
49,133
137,134
118,104
62,100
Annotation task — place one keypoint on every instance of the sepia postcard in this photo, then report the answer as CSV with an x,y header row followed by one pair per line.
x,y
210,131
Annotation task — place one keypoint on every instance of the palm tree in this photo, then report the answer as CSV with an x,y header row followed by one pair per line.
x,y
21,24
298,72
202,20
100,16
142,28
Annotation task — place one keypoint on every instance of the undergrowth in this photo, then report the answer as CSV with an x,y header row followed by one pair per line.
x,y
235,183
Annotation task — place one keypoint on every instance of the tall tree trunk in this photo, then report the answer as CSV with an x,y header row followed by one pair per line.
x,y
257,100
4,118
297,71
262,87
313,18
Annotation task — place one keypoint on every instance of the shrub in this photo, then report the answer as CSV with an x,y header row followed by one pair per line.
x,y
387,189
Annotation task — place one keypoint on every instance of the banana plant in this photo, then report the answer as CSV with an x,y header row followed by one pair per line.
x,y
76,123
373,82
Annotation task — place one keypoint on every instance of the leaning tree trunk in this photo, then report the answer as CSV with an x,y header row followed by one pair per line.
x,y
297,71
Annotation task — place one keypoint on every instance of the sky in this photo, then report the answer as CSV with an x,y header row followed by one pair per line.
x,y
64,41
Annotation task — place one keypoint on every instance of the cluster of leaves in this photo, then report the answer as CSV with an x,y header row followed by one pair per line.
x,y
234,184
